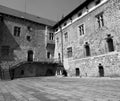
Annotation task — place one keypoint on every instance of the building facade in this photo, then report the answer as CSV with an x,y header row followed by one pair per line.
x,y
24,38
87,40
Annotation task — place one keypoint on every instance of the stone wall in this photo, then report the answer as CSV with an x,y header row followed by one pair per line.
x,y
96,37
19,46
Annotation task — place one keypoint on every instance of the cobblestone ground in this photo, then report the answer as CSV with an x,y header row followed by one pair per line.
x,y
60,89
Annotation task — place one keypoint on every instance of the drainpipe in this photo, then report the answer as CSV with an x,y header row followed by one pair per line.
x,y
62,44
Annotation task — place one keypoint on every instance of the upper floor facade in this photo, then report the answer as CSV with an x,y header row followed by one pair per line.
x,y
24,37
92,29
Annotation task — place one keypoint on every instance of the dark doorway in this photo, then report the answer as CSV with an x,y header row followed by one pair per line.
x,y
77,72
48,55
101,70
49,72
30,55
22,72
110,45
87,49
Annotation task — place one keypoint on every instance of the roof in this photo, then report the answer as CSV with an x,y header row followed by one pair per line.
x,y
23,15
76,10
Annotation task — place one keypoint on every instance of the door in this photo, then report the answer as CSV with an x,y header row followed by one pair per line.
x,y
77,72
30,55
101,71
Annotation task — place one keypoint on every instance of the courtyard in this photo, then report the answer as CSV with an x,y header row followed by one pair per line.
x,y
60,89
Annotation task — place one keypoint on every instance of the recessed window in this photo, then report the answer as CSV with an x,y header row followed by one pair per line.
x,y
77,71
30,55
110,43
17,31
65,24
97,2
66,36
79,14
100,20
28,38
48,55
81,30
5,50
87,49
56,29
29,28
69,52
51,36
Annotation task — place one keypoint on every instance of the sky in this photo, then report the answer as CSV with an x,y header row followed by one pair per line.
x,y
50,9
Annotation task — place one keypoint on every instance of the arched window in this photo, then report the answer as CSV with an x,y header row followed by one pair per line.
x,y
110,43
30,55
87,49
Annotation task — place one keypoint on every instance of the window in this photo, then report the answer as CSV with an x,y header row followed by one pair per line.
x,y
97,2
29,28
100,20
56,29
66,36
87,49
16,31
81,29
30,55
110,43
28,38
48,55
69,52
51,36
79,14
5,50
65,24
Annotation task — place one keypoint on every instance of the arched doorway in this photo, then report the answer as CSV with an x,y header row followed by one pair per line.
x,y
101,70
77,71
30,55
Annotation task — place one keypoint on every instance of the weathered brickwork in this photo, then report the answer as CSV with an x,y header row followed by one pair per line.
x,y
96,38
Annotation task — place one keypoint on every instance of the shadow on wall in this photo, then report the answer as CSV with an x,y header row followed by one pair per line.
x,y
7,39
33,69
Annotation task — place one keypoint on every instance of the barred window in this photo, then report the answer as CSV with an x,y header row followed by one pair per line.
x,y
81,30
51,36
100,20
5,50
17,31
69,52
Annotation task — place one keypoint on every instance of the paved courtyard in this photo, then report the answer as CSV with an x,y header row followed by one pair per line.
x,y
60,89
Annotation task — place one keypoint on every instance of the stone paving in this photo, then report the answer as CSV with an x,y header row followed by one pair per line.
x,y
60,89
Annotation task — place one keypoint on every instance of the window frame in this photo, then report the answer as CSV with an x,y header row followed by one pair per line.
x,y
100,20
51,36
17,31
69,52
81,29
